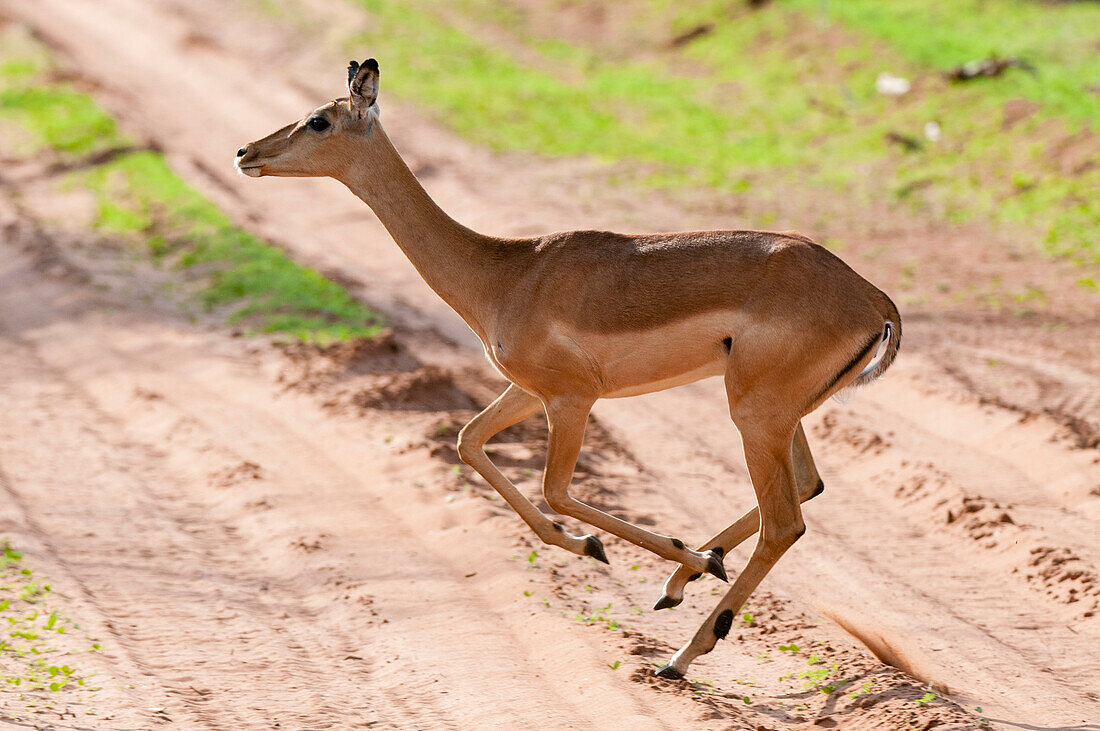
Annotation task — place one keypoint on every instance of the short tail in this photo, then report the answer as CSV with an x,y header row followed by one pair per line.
x,y
884,355
884,348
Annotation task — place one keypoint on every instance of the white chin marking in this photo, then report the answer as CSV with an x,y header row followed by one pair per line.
x,y
248,172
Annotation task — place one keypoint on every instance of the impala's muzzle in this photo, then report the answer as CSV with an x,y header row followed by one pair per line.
x,y
246,162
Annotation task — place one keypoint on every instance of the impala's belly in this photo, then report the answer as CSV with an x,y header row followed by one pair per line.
x,y
673,354
715,368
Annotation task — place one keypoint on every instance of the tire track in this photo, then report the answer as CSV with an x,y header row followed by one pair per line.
x,y
154,583
869,558
300,595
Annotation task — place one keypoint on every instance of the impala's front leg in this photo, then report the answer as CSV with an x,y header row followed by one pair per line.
x,y
512,407
809,486
567,417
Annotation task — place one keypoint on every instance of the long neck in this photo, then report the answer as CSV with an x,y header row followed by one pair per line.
x,y
461,265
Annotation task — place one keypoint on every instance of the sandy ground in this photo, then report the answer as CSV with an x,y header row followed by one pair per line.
x,y
269,538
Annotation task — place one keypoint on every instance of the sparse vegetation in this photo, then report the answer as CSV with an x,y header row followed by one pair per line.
x,y
59,117
30,661
600,616
139,198
865,688
785,113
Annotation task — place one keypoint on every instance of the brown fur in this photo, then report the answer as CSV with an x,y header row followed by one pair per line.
x,y
573,317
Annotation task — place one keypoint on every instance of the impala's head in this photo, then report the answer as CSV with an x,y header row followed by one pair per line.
x,y
322,143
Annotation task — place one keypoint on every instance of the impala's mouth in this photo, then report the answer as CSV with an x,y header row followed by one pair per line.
x,y
251,169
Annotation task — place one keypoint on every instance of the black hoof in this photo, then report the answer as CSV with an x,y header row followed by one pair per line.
x,y
668,672
593,548
715,567
666,602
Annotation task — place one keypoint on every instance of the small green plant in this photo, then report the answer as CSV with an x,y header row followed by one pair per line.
x,y
613,665
865,688
25,607
816,676
532,557
32,592
599,616
925,699
10,556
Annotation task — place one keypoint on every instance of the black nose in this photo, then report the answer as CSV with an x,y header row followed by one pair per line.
x,y
240,152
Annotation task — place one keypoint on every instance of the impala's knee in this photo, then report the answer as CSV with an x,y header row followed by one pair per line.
x,y
780,538
788,537
469,448
820,488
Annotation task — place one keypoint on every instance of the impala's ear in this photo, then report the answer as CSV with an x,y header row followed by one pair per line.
x,y
362,86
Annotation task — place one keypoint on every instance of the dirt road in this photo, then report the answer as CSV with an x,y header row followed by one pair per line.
x,y
956,538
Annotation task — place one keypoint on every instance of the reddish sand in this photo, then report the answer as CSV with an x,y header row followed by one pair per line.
x,y
280,537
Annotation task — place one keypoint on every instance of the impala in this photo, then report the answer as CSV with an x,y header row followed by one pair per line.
x,y
569,318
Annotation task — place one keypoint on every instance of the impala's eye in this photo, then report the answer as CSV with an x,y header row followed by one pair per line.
x,y
318,124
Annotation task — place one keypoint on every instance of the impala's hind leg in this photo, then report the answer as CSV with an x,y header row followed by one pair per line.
x,y
512,407
809,486
768,453
567,418
767,386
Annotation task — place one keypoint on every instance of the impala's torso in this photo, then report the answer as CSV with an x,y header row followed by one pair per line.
x,y
618,315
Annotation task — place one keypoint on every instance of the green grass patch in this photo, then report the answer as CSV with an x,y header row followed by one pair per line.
x,y
138,197
137,194
612,111
56,115
1059,39
61,118
783,96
